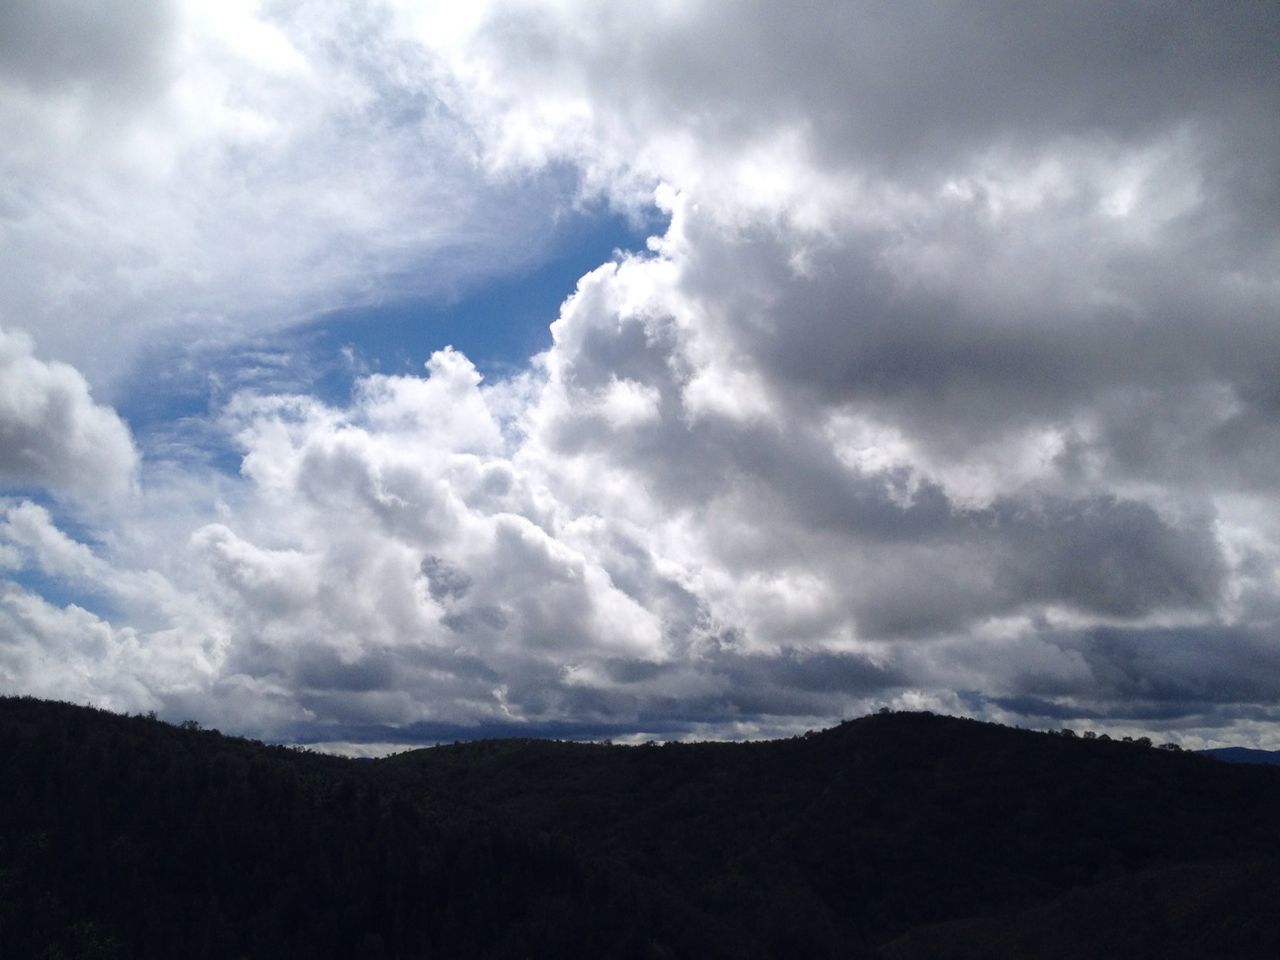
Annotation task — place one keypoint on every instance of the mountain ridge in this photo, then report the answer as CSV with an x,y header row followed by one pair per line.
x,y
1243,755
879,837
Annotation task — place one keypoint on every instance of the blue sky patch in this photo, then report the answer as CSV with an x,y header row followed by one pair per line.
x,y
498,323
58,590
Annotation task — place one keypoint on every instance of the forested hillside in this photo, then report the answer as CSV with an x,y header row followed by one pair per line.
x,y
900,836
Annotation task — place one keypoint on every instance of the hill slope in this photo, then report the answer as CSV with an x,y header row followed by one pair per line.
x,y
1244,755
904,835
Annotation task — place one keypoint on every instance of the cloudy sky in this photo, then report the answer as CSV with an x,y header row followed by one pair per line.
x,y
379,372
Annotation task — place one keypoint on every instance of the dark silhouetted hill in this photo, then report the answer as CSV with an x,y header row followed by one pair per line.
x,y
1244,755
896,836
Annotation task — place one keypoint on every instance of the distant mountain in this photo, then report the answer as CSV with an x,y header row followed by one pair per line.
x,y
896,836
1244,755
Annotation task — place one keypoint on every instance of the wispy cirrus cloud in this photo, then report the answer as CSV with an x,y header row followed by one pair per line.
x,y
183,174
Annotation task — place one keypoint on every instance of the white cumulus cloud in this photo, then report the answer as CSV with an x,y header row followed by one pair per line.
x,y
949,382
52,433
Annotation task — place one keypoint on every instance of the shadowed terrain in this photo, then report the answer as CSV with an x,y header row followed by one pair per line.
x,y
895,835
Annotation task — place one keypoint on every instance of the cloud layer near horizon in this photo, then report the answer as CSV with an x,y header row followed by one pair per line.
x,y
950,383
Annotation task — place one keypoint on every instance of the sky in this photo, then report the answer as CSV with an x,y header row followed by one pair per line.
x,y
388,372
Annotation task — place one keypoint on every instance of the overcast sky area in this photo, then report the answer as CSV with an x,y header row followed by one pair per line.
x,y
386,372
